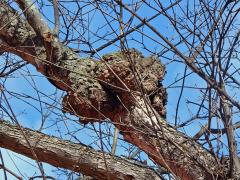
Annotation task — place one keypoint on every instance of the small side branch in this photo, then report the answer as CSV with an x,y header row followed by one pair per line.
x,y
56,18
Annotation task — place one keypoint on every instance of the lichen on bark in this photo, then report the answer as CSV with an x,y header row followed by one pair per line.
x,y
99,88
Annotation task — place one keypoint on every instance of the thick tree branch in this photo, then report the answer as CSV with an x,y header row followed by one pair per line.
x,y
34,17
66,154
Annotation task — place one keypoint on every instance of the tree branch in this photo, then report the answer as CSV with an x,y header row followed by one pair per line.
x,y
65,154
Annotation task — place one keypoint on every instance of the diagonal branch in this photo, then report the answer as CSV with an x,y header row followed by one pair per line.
x,y
190,60
66,154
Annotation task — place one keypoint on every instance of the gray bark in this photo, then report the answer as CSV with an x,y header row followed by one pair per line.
x,y
66,154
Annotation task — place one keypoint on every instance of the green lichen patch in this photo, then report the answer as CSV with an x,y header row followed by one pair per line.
x,y
97,87
131,71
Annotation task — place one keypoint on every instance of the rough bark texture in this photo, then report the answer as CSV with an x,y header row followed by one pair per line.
x,y
124,87
76,157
